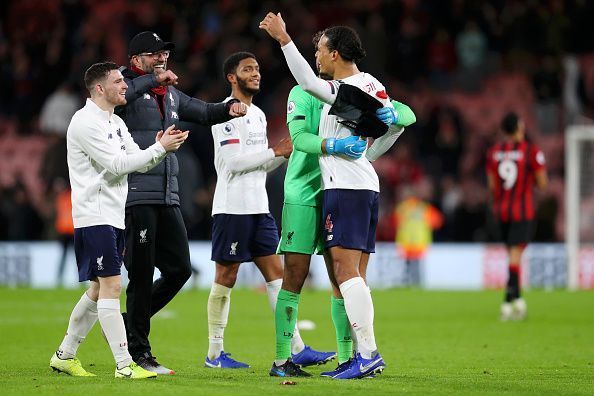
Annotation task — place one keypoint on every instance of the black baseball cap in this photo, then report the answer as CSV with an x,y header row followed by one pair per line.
x,y
148,42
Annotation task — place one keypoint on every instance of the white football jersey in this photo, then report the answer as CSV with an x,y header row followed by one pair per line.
x,y
240,192
340,172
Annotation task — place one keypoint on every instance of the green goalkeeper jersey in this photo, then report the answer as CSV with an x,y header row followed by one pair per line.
x,y
302,180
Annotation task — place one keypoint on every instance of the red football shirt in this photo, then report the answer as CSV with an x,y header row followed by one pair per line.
x,y
513,166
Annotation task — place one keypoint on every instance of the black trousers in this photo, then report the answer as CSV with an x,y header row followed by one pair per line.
x,y
155,237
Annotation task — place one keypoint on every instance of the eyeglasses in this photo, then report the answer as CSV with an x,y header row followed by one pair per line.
x,y
156,55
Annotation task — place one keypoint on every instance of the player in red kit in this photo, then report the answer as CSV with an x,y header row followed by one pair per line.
x,y
514,167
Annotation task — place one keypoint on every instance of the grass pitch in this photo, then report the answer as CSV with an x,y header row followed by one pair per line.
x,y
433,343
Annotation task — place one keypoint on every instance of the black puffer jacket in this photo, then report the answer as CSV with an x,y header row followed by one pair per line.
x,y
144,118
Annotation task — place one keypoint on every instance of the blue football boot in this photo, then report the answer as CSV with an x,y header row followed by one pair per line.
x,y
309,357
361,368
224,362
341,367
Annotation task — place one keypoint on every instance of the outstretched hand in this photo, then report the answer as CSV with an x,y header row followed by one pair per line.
x,y
274,25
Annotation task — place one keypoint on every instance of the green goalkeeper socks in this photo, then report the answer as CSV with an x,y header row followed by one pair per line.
x,y
342,325
285,317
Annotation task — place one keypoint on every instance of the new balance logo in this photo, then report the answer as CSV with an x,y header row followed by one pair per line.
x,y
147,96
143,236
100,263
233,250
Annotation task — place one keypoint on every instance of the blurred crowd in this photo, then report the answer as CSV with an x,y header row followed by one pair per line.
x,y
460,65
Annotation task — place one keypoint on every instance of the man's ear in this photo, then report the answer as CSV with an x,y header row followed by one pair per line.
x,y
99,89
231,78
134,61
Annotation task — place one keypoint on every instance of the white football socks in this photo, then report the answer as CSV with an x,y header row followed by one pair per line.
x,y
219,301
359,308
82,319
272,289
113,327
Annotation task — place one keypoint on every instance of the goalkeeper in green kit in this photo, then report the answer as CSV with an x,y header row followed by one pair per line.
x,y
301,234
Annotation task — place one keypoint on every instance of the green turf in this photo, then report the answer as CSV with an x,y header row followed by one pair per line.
x,y
433,343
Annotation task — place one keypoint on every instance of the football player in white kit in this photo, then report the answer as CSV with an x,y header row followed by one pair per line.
x,y
351,186
243,228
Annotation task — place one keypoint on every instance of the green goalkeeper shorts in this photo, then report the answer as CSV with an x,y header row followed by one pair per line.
x,y
301,230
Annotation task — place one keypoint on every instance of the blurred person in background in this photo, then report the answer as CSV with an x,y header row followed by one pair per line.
x,y
155,230
63,225
514,167
416,219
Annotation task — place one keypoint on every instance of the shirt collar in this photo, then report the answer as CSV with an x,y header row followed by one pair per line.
x,y
92,106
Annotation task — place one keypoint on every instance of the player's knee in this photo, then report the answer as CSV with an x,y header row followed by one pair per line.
x,y
93,292
110,289
344,273
226,278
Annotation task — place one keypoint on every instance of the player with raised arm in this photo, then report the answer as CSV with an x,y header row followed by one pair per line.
x,y
514,166
101,154
301,234
350,185
243,228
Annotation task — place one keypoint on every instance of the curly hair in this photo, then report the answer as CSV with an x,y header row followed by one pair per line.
x,y
343,39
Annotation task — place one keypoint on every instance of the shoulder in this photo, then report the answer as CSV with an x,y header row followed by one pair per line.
x,y
82,119
297,92
127,73
227,128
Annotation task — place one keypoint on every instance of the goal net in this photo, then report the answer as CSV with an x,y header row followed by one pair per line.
x,y
579,205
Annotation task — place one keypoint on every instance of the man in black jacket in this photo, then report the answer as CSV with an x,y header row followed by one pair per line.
x,y
155,231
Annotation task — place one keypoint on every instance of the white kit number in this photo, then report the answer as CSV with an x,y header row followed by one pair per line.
x,y
508,171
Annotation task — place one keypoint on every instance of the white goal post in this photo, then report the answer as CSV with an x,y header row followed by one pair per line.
x,y
579,189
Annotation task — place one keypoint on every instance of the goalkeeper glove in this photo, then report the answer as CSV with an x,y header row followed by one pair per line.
x,y
387,115
351,146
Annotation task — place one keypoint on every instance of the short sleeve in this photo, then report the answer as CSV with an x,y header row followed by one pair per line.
x,y
537,158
